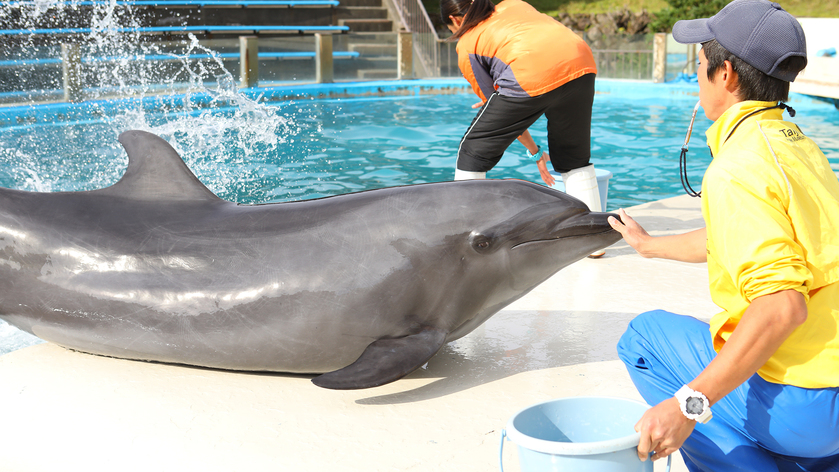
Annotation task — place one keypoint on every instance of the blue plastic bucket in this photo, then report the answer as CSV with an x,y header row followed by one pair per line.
x,y
580,434
602,176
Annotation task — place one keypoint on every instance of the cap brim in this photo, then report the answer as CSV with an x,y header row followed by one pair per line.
x,y
692,31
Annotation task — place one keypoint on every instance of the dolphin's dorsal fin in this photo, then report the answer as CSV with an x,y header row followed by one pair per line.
x,y
386,360
156,172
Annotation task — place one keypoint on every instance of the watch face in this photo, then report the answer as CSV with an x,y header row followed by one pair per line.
x,y
694,405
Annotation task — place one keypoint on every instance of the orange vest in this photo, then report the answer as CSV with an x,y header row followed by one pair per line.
x,y
521,53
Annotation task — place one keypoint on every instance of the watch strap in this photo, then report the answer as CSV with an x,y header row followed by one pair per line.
x,y
684,394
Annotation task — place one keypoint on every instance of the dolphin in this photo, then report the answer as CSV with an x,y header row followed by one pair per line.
x,y
362,288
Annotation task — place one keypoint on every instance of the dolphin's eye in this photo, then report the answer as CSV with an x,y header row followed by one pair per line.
x,y
480,242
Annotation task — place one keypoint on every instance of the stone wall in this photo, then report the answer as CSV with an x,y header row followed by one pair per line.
x,y
620,21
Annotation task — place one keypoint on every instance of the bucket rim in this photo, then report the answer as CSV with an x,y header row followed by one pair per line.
x,y
568,448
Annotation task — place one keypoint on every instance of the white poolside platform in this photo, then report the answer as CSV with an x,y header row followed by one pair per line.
x,y
67,411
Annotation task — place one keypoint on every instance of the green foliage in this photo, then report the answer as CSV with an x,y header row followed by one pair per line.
x,y
685,10
664,17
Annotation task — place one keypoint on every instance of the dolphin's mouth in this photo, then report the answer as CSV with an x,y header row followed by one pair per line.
x,y
559,238
582,225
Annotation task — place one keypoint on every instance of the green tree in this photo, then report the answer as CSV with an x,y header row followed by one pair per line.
x,y
685,10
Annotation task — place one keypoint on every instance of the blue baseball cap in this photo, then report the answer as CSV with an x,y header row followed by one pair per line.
x,y
757,31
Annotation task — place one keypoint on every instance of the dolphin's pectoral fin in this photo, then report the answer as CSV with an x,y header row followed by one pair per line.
x,y
386,360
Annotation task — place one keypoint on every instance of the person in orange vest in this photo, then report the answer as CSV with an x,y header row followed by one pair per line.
x,y
524,64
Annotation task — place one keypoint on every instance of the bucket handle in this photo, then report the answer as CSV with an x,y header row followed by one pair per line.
x,y
501,453
501,450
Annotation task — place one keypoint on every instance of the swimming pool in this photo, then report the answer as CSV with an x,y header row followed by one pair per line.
x,y
287,144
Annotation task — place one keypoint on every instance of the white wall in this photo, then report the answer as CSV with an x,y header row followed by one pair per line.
x,y
821,76
821,33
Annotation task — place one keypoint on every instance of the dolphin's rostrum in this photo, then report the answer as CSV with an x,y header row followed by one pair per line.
x,y
364,287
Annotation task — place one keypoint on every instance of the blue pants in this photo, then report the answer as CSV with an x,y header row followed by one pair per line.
x,y
760,426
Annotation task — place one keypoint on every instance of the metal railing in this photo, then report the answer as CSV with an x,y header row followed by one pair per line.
x,y
425,40
624,64
634,61
439,59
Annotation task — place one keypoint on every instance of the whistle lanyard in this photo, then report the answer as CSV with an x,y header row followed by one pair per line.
x,y
683,169
683,161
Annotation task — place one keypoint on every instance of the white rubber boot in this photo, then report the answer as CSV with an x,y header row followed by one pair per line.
x,y
582,184
467,175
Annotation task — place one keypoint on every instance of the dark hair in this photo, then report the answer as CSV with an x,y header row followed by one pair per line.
x,y
752,83
472,11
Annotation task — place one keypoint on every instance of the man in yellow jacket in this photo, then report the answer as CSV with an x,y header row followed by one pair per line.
x,y
758,389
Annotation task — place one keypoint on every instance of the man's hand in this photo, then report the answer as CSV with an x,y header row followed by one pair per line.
x,y
685,247
632,232
663,429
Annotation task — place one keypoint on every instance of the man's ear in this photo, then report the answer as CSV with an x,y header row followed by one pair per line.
x,y
729,77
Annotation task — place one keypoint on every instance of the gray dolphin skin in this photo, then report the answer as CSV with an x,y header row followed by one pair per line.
x,y
364,287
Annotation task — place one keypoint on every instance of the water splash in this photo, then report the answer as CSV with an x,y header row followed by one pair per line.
x,y
29,170
179,90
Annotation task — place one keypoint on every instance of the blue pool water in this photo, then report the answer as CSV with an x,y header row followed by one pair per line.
x,y
272,149
308,148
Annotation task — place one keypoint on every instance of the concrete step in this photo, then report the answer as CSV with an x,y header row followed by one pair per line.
x,y
373,49
375,63
352,13
364,25
372,37
361,3
377,74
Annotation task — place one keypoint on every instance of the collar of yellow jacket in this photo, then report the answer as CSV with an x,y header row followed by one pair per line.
x,y
719,132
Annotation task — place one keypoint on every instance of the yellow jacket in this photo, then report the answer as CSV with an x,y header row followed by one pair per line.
x,y
521,53
771,205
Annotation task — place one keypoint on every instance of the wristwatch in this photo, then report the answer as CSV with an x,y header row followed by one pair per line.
x,y
536,155
694,405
